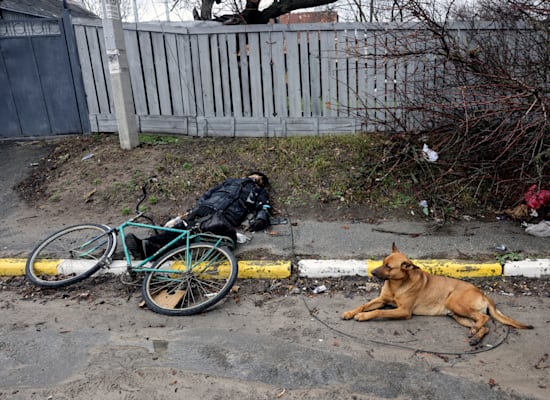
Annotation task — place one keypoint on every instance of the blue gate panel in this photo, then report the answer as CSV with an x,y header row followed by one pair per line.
x,y
57,84
23,74
9,121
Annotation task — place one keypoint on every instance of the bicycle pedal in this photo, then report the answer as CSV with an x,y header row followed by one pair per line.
x,y
106,263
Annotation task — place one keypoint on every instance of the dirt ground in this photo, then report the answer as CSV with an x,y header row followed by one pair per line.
x,y
94,176
266,340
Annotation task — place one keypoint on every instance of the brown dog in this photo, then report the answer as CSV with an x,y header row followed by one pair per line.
x,y
416,292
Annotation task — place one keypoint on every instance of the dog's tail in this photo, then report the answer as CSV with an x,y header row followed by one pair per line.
x,y
500,317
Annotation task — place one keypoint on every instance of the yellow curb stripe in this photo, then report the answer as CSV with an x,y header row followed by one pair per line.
x,y
252,269
452,268
264,269
12,266
16,266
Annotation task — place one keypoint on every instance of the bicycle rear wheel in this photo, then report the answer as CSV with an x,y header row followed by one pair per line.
x,y
188,280
70,255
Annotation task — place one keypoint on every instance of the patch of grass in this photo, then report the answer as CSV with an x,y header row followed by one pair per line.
x,y
381,172
511,256
55,198
158,139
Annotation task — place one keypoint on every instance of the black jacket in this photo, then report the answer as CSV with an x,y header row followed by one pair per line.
x,y
236,198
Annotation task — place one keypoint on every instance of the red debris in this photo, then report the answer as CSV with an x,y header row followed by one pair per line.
x,y
535,199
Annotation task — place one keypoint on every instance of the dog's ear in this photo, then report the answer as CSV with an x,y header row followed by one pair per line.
x,y
408,265
394,248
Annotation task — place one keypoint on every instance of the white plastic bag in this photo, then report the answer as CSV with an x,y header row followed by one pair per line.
x,y
542,229
429,154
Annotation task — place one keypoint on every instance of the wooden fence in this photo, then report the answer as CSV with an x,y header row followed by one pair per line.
x,y
257,80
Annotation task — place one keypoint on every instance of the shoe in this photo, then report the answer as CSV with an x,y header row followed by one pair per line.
x,y
135,246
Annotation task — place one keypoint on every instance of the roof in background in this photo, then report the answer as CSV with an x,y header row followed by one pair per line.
x,y
45,8
309,17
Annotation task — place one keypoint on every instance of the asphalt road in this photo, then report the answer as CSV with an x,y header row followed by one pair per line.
x,y
90,342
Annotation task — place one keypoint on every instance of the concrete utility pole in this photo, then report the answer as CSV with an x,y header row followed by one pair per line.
x,y
120,75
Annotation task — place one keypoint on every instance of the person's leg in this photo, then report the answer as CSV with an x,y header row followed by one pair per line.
x,y
135,246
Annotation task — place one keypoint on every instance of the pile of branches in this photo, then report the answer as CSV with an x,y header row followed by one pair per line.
x,y
483,103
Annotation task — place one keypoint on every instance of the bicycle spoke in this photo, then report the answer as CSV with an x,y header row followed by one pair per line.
x,y
189,280
70,255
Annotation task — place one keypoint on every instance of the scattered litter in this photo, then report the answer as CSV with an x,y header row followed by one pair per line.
x,y
320,289
87,157
88,196
34,164
173,222
241,238
278,221
542,229
429,154
535,199
235,289
520,212
424,206
501,247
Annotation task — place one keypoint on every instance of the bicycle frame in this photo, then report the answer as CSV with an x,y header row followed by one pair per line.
x,y
184,235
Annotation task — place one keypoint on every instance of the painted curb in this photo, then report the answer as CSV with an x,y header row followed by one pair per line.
x,y
454,268
279,269
529,268
253,269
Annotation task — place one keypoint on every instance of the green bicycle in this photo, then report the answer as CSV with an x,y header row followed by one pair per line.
x,y
185,280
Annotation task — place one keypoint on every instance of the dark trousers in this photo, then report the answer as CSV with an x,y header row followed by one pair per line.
x,y
156,242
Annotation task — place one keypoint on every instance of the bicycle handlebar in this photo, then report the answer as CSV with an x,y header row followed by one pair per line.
x,y
144,191
140,214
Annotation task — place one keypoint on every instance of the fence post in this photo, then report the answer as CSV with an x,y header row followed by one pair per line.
x,y
120,75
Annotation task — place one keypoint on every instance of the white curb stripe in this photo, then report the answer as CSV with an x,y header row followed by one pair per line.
x,y
332,268
528,268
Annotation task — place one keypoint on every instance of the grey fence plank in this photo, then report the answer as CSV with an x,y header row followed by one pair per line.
x,y
186,75
245,79
196,75
255,66
234,75
205,62
266,46
327,59
136,73
216,76
161,73
173,61
304,73
361,73
315,73
99,76
86,67
352,89
224,74
342,73
279,75
149,76
293,75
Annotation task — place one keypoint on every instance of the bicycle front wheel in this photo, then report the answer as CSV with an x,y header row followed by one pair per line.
x,y
70,255
188,280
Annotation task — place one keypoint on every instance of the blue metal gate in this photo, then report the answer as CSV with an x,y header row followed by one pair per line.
x,y
41,88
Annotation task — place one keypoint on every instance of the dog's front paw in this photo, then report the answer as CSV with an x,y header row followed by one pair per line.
x,y
362,316
348,315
